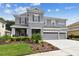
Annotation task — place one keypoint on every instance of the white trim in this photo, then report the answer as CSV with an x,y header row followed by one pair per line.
x,y
36,22
55,31
55,28
73,29
50,31
35,28
18,26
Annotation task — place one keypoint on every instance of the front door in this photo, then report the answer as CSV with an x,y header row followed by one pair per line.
x,y
23,32
35,31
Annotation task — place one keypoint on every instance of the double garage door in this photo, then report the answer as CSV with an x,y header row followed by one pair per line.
x,y
53,35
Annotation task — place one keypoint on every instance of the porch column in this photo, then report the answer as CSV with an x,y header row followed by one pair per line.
x,y
42,33
58,35
66,35
29,33
13,31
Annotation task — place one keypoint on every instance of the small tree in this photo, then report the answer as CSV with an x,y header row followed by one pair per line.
x,y
36,37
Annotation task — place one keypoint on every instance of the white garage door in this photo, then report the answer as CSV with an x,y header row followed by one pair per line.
x,y
62,35
50,35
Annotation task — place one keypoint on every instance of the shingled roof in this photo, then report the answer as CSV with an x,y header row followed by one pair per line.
x,y
2,20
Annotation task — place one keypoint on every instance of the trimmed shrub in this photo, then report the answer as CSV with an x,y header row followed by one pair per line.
x,y
20,38
5,38
23,38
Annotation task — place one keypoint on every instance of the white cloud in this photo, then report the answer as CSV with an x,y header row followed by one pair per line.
x,y
8,5
20,10
57,10
69,8
49,10
8,11
35,4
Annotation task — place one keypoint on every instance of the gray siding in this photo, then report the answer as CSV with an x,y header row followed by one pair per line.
x,y
60,23
21,21
44,21
16,20
54,22
38,25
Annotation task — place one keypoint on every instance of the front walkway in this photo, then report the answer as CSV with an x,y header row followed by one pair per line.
x,y
67,48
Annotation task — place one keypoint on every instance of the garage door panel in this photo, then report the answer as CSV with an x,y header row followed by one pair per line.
x,y
62,35
50,35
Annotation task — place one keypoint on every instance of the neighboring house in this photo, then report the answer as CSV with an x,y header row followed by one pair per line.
x,y
7,32
2,27
73,29
34,21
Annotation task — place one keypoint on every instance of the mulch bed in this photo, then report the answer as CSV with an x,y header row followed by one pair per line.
x,y
44,47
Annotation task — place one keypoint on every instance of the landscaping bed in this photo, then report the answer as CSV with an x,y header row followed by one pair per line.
x,y
44,47
15,46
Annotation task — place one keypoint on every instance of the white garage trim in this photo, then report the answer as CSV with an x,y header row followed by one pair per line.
x,y
50,35
50,31
58,32
62,32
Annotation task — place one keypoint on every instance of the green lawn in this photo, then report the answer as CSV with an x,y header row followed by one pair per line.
x,y
15,49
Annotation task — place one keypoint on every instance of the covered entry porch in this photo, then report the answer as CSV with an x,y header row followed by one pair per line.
x,y
18,30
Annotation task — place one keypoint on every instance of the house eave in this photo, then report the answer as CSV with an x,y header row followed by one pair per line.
x,y
18,26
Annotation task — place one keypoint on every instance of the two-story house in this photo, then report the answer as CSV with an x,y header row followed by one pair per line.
x,y
34,21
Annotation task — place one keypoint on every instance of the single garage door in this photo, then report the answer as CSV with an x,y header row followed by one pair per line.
x,y
50,35
62,35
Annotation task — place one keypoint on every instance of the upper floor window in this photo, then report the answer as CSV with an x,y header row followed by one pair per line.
x,y
19,20
33,18
48,21
2,25
61,23
26,20
39,18
36,18
53,22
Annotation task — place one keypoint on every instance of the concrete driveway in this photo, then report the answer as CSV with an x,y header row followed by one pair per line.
x,y
67,48
70,47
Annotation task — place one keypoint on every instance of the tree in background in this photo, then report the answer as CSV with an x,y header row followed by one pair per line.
x,y
2,19
8,24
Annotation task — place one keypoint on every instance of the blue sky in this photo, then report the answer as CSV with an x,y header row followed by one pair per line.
x,y
69,11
